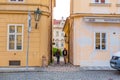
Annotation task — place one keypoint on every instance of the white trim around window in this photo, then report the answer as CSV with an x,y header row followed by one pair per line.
x,y
17,1
15,34
100,46
99,1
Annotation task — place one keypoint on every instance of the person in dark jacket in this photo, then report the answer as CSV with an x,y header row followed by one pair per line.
x,y
58,56
64,52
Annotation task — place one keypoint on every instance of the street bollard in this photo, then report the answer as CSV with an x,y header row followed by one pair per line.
x,y
44,61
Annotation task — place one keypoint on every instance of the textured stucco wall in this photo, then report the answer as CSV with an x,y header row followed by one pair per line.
x,y
84,41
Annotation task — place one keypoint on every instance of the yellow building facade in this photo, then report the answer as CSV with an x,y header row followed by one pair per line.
x,y
14,32
93,31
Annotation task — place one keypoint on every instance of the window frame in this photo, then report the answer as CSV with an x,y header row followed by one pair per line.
x,y
100,2
62,44
57,33
57,44
17,1
16,34
106,47
62,34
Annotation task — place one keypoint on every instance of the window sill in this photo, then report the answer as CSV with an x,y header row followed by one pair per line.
x,y
19,50
100,50
101,4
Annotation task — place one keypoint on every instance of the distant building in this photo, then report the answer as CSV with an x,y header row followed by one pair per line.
x,y
58,33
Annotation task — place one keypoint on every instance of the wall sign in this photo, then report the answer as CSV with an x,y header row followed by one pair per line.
x,y
102,19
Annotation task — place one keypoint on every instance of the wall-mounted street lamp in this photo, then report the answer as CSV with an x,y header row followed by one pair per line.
x,y
37,15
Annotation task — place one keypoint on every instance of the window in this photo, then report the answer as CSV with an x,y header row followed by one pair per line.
x,y
57,44
16,0
14,63
100,41
57,33
15,37
62,34
99,1
62,45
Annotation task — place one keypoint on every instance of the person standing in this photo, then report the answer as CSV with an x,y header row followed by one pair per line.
x,y
64,54
58,56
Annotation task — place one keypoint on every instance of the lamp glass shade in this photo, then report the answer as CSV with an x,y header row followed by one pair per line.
x,y
37,14
65,37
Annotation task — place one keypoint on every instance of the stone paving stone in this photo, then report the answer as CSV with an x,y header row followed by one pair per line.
x,y
75,75
96,68
61,72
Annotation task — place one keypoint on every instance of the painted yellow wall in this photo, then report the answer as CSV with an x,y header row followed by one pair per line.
x,y
17,13
66,30
45,2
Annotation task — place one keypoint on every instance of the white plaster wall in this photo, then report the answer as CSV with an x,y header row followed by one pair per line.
x,y
84,43
100,10
118,10
76,35
118,1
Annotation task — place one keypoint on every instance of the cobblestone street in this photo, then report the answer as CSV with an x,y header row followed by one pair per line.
x,y
61,75
62,72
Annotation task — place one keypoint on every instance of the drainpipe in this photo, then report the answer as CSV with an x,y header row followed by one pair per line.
x,y
51,33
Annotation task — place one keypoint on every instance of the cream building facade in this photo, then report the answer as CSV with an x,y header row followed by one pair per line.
x,y
58,33
14,32
93,31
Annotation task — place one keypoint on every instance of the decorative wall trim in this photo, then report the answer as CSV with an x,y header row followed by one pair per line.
x,y
28,4
94,15
46,13
57,28
100,4
102,19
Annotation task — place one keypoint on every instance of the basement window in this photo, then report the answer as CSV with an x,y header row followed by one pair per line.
x,y
14,63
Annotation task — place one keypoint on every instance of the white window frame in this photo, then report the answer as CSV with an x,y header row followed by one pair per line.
x,y
57,44
57,33
62,34
106,1
15,37
100,41
17,1
62,44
